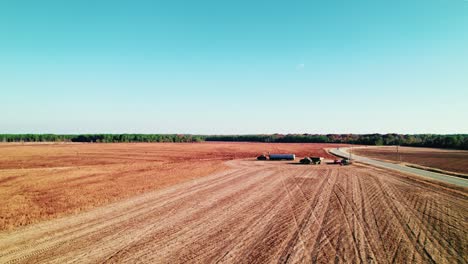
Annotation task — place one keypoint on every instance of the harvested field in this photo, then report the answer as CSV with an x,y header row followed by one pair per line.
x,y
259,212
44,181
447,160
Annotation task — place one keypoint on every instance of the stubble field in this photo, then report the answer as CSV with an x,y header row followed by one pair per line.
x,y
249,211
44,181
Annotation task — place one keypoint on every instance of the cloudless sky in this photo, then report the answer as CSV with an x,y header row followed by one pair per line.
x,y
229,67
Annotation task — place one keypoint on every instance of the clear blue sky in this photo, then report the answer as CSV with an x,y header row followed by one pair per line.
x,y
233,67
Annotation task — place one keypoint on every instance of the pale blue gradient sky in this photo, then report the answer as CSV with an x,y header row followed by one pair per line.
x,y
209,67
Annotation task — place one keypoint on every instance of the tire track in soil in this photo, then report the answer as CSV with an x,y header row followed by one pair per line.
x,y
296,222
105,225
145,216
416,223
391,229
357,218
351,229
322,194
192,223
372,224
261,212
408,234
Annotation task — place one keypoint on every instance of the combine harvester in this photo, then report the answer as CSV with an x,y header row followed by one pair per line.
x,y
277,157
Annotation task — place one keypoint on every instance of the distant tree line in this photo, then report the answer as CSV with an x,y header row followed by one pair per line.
x,y
455,141
100,138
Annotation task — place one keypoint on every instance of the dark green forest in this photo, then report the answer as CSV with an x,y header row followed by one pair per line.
x,y
100,138
455,141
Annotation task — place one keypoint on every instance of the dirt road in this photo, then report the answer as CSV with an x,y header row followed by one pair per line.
x,y
260,212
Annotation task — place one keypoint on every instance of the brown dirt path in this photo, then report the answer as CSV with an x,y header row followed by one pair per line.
x,y
261,212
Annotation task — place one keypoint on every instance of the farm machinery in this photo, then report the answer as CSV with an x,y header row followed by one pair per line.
x,y
343,162
311,160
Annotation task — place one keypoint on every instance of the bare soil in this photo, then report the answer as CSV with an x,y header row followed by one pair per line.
x,y
44,181
262,212
447,160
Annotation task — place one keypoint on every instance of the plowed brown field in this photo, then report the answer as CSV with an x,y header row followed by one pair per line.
x,y
260,212
44,181
443,159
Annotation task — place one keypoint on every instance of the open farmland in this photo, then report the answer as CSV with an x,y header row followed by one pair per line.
x,y
257,212
443,159
43,181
